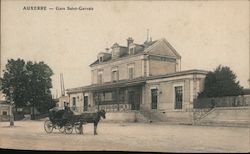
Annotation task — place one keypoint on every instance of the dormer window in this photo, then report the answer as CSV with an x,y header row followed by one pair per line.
x,y
103,56
101,59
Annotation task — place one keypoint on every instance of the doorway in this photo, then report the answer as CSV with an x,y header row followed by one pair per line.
x,y
154,98
85,103
134,99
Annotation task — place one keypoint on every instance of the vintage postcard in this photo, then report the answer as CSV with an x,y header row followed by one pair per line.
x,y
130,76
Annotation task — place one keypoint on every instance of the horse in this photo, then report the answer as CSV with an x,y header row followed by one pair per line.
x,y
93,117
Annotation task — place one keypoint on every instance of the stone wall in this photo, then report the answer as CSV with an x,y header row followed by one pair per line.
x,y
166,94
227,116
161,67
122,66
120,117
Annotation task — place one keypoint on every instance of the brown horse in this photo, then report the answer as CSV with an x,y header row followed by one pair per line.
x,y
93,117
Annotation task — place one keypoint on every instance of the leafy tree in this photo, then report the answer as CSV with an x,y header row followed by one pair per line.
x,y
221,82
31,83
39,85
15,76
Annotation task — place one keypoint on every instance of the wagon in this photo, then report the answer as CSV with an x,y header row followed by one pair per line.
x,y
64,121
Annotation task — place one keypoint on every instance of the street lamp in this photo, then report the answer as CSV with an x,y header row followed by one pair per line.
x,y
11,103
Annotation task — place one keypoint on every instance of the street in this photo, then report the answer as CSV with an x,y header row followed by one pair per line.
x,y
158,137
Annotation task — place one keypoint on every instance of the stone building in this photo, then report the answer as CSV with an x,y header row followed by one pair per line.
x,y
142,77
62,101
4,111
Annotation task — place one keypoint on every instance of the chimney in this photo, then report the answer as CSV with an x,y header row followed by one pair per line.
x,y
107,50
130,40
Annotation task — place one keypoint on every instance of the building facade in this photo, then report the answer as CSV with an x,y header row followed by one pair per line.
x,y
142,77
4,111
62,101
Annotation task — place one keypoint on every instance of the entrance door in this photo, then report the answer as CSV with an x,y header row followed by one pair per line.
x,y
153,98
134,100
131,99
85,103
137,101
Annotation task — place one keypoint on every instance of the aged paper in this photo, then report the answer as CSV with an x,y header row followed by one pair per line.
x,y
70,36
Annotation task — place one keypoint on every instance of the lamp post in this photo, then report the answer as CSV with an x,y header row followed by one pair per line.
x,y
11,103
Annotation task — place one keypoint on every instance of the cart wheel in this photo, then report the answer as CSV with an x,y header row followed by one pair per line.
x,y
48,126
68,128
61,130
78,129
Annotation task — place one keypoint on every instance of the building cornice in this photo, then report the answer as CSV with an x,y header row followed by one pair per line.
x,y
125,83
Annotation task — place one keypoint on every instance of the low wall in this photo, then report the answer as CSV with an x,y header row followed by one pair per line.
x,y
227,116
171,117
120,117
4,118
176,117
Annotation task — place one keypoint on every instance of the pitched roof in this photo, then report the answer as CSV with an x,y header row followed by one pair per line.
x,y
160,47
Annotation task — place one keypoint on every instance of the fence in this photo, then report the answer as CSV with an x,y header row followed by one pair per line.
x,y
230,101
107,108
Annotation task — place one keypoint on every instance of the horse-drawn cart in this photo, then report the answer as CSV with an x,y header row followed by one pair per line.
x,y
65,121
67,128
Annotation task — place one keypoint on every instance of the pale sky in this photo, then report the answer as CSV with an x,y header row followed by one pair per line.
x,y
206,34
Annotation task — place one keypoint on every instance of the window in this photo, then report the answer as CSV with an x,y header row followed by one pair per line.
x,y
74,103
131,50
101,59
130,72
122,95
108,97
178,97
115,76
99,78
154,98
4,113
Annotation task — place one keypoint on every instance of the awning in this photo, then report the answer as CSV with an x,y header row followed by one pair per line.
x,y
109,85
116,85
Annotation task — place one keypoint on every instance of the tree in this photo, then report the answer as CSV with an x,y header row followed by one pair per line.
x,y
15,76
221,82
39,85
31,83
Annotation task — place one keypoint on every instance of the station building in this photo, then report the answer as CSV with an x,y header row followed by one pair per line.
x,y
139,77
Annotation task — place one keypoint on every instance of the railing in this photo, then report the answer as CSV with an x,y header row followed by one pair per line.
x,y
230,101
115,107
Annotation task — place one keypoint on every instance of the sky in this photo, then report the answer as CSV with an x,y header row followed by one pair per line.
x,y
205,33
